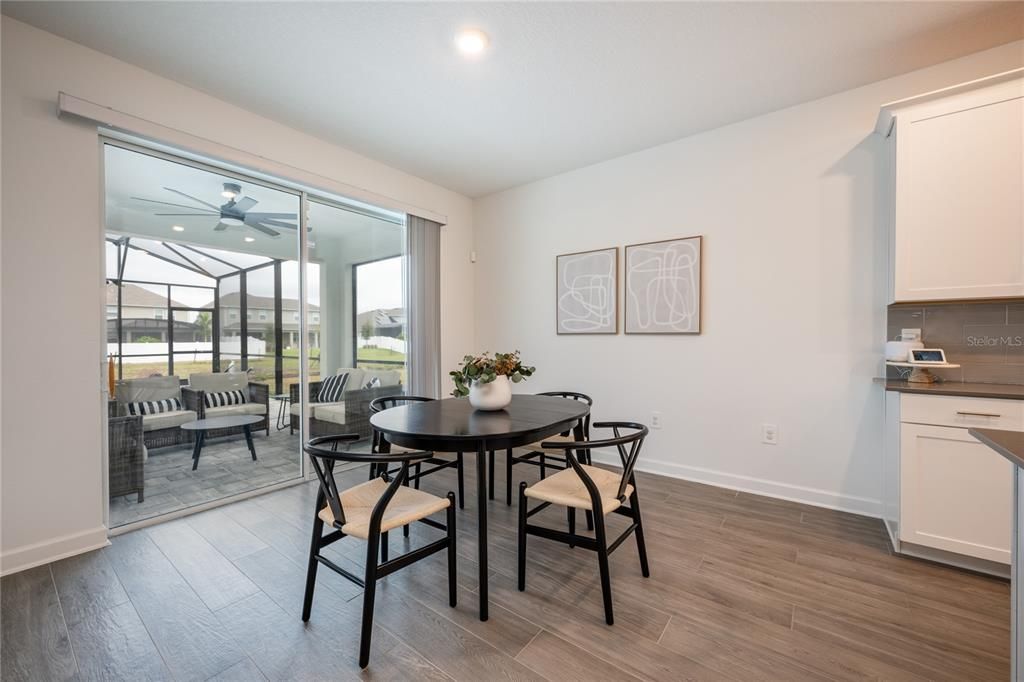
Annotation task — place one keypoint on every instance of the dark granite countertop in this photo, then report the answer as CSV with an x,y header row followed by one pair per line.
x,y
1009,444
1007,391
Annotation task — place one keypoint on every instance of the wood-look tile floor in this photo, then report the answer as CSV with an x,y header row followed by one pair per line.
x,y
742,588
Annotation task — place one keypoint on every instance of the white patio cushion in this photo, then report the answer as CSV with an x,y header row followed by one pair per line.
x,y
166,420
148,388
295,409
217,382
356,378
388,377
406,506
258,409
566,488
334,412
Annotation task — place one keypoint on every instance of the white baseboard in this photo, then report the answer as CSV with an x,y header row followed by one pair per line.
x,y
758,486
41,553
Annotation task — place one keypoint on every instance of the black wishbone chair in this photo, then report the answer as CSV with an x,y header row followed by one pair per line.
x,y
380,444
545,458
583,486
368,511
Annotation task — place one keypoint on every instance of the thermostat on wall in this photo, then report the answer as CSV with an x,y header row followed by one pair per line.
x,y
927,356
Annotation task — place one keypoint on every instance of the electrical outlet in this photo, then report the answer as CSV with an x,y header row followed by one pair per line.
x,y
769,434
655,420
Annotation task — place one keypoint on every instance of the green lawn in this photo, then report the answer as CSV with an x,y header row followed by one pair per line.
x,y
263,368
370,354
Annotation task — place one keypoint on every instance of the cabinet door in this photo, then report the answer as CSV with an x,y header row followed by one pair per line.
x,y
958,216
955,493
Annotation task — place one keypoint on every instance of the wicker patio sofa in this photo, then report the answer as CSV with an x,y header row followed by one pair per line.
x,y
352,413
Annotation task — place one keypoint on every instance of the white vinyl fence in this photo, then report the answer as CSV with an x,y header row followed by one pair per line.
x,y
388,342
227,347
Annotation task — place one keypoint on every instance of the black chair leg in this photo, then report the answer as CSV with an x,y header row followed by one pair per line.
x,y
508,477
369,592
641,546
417,486
522,536
602,562
383,547
314,548
490,475
453,589
571,513
462,484
543,468
405,528
590,519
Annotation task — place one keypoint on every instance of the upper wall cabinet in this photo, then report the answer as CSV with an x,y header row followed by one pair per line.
x,y
957,209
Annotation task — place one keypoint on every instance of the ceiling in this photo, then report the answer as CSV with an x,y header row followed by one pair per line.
x,y
563,85
145,198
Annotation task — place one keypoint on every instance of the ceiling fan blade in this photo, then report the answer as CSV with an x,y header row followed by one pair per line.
x,y
202,215
220,227
189,196
167,203
244,204
286,216
275,223
265,230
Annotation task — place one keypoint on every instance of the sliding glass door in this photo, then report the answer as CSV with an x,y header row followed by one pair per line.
x,y
218,288
356,313
202,272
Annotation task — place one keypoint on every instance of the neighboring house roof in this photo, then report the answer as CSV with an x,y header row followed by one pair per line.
x,y
232,301
136,296
381,318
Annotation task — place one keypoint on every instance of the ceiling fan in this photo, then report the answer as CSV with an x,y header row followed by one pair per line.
x,y
235,213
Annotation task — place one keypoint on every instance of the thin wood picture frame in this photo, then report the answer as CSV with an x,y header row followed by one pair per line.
x,y
663,286
587,292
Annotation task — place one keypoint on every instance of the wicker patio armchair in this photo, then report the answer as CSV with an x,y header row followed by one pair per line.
x,y
157,388
257,395
126,456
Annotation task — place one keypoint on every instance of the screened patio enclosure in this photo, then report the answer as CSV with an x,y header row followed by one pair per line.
x,y
211,311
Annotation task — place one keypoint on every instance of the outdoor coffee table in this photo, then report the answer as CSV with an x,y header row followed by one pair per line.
x,y
202,426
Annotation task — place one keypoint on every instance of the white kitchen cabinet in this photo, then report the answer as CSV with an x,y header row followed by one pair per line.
x,y
957,494
946,496
957,205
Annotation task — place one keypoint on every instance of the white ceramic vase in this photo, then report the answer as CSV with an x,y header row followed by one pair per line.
x,y
495,395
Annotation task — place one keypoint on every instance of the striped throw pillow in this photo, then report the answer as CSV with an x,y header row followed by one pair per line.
x,y
224,398
373,383
332,388
153,406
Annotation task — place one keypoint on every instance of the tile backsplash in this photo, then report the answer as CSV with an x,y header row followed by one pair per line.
x,y
985,339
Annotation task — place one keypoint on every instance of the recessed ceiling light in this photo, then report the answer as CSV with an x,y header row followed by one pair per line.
x,y
471,42
231,190
250,239
177,228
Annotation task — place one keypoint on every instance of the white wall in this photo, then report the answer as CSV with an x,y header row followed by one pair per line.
x,y
791,207
52,265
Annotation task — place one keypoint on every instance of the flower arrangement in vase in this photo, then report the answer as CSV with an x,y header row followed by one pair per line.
x,y
488,380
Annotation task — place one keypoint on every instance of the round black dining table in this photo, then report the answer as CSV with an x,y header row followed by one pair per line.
x,y
452,425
